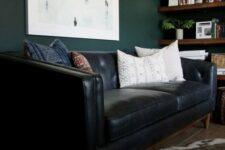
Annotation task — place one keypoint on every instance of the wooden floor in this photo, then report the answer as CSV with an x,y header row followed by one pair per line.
x,y
192,134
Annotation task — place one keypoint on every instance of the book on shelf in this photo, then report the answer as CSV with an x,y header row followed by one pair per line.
x,y
218,30
208,1
195,57
198,1
192,52
190,2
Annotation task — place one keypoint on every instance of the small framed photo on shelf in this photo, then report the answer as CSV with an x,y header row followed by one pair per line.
x,y
204,30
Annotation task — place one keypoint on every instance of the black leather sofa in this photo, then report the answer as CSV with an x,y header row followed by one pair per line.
x,y
64,107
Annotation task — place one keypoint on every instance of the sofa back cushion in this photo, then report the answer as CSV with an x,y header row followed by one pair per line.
x,y
105,64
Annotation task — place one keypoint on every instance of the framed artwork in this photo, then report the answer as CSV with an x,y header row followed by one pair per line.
x,y
204,30
92,19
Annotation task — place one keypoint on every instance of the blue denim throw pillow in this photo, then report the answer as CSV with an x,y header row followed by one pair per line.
x,y
55,53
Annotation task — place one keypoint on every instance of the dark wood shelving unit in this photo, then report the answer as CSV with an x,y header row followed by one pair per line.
x,y
184,8
166,9
195,41
221,77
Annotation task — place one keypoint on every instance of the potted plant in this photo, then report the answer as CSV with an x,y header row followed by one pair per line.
x,y
179,25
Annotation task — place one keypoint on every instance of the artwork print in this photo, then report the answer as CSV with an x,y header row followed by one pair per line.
x,y
94,19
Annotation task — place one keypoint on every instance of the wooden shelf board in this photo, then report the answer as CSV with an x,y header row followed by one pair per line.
x,y
195,41
221,77
164,9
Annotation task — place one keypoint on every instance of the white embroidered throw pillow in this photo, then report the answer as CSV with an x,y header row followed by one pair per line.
x,y
171,58
135,70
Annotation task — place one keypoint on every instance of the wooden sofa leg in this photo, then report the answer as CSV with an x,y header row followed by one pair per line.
x,y
206,121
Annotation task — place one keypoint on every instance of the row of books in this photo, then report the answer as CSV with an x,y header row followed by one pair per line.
x,y
219,30
212,1
194,54
188,2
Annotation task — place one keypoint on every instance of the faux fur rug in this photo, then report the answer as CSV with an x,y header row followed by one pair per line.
x,y
208,144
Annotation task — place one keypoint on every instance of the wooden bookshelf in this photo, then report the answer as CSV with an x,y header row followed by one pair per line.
x,y
195,41
166,9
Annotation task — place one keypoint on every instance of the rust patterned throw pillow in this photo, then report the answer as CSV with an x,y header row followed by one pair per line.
x,y
80,62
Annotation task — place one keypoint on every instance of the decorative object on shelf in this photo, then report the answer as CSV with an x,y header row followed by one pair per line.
x,y
179,25
179,34
204,30
81,19
218,59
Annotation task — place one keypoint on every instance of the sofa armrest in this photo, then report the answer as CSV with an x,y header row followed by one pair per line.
x,y
201,71
77,111
94,111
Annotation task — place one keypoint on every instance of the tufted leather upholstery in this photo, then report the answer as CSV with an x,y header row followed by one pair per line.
x,y
105,64
107,117
201,71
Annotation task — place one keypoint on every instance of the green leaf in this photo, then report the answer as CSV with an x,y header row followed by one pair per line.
x,y
187,24
172,23
167,24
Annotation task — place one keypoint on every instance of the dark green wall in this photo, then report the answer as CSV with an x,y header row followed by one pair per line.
x,y
138,26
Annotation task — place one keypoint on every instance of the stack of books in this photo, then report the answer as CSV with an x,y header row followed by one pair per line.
x,y
194,54
220,71
217,29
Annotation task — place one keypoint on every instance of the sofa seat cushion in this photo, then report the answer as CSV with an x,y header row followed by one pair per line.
x,y
128,110
189,93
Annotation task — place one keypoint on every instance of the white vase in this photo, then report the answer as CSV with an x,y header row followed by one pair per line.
x,y
179,34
